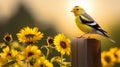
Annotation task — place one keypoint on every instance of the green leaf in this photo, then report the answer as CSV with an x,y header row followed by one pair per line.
x,y
9,63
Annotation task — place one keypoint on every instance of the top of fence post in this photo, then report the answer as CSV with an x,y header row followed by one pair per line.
x,y
86,52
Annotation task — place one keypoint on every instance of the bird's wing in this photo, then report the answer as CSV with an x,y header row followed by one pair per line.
x,y
88,20
87,16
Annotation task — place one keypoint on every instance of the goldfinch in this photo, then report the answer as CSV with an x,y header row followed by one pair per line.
x,y
87,24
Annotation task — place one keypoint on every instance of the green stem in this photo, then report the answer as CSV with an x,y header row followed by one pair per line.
x,y
61,60
48,52
28,64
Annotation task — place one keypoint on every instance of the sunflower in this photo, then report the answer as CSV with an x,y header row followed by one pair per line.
x,y
29,35
107,59
118,55
62,44
42,62
114,51
8,53
31,51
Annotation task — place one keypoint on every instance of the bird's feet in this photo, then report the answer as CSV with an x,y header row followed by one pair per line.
x,y
82,36
88,37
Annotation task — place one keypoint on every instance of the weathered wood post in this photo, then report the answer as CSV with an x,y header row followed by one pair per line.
x,y
86,52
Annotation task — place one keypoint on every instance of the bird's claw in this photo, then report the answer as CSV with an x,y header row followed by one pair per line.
x,y
81,37
88,37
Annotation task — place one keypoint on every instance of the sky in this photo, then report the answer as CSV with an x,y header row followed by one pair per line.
x,y
105,12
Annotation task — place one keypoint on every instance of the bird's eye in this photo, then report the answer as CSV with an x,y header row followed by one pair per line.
x,y
77,9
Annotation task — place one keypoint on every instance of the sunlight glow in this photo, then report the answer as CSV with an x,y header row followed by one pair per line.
x,y
86,4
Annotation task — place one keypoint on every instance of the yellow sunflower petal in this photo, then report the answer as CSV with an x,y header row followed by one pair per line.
x,y
6,49
42,62
107,59
14,52
62,44
29,35
31,51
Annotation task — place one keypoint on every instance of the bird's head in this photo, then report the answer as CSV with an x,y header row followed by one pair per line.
x,y
77,10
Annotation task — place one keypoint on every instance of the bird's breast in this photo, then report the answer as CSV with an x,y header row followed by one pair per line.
x,y
83,27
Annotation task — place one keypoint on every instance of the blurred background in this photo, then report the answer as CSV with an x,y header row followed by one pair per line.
x,y
54,16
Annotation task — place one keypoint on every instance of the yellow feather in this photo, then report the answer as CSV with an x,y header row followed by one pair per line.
x,y
83,27
85,18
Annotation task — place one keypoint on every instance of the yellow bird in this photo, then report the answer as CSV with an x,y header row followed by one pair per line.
x,y
87,24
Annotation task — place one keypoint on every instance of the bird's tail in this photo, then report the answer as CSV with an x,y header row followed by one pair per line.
x,y
105,35
111,40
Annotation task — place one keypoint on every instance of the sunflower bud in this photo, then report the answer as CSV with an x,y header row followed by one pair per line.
x,y
7,37
49,40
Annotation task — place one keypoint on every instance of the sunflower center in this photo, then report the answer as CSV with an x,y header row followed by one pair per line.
x,y
29,42
115,55
107,59
42,65
8,54
63,44
29,35
30,54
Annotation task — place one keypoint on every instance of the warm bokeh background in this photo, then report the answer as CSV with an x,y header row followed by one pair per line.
x,y
53,16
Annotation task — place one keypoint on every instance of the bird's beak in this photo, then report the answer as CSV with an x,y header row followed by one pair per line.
x,y
73,11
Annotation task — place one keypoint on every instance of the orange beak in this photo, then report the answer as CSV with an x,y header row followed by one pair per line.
x,y
73,11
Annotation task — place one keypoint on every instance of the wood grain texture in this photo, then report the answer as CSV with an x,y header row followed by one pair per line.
x,y
86,52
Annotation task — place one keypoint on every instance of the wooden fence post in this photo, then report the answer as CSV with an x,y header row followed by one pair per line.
x,y
86,52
